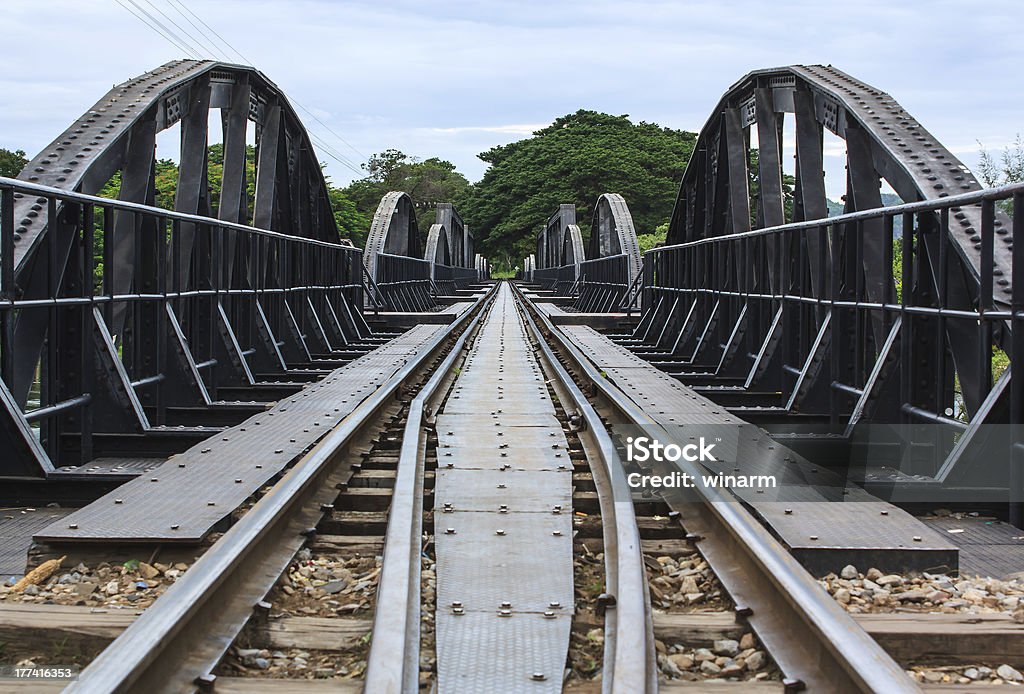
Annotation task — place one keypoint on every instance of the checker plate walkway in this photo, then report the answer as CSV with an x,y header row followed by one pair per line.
x,y
801,510
503,520
183,499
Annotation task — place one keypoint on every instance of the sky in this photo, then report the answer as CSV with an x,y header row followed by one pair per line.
x,y
452,78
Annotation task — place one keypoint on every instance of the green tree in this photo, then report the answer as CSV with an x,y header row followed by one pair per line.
x,y
1009,169
353,224
653,240
12,162
574,160
427,182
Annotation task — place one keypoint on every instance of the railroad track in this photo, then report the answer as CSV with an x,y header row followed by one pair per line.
x,y
815,643
177,642
479,499
244,590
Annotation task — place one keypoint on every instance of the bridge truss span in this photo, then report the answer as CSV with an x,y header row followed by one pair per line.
x,y
600,274
403,278
830,329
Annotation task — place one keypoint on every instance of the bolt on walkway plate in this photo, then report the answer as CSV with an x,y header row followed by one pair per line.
x,y
184,498
502,520
820,516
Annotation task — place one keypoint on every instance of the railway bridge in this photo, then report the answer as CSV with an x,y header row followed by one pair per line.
x,y
242,455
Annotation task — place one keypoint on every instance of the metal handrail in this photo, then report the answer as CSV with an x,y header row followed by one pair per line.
x,y
959,200
71,196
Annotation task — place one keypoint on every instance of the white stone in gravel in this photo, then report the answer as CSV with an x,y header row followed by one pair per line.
x,y
842,595
702,654
849,572
1009,674
726,647
668,667
756,661
973,596
972,673
708,667
890,580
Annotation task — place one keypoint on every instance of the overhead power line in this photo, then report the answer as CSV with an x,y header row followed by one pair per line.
x,y
154,27
202,43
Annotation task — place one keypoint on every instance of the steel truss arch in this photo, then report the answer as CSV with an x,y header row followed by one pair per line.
x,y
118,135
393,231
612,232
883,142
437,250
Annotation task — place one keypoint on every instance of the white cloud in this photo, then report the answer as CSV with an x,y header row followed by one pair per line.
x,y
453,78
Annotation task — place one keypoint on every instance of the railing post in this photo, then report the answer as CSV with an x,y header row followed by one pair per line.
x,y
7,285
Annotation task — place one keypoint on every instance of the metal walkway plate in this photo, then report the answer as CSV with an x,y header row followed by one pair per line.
x,y
827,518
519,490
492,457
483,652
988,547
527,566
183,499
500,570
16,528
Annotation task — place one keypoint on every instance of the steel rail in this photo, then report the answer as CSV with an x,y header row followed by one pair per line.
x,y
174,645
393,663
818,646
629,653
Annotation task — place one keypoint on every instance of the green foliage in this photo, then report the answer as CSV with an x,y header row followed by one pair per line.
x,y
1009,169
353,224
427,182
649,241
1000,363
11,163
574,160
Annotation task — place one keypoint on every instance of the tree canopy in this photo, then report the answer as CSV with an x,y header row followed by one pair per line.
x,y
574,160
427,182
11,163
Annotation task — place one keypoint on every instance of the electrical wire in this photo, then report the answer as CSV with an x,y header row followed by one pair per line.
x,y
184,34
188,42
212,44
155,29
184,44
